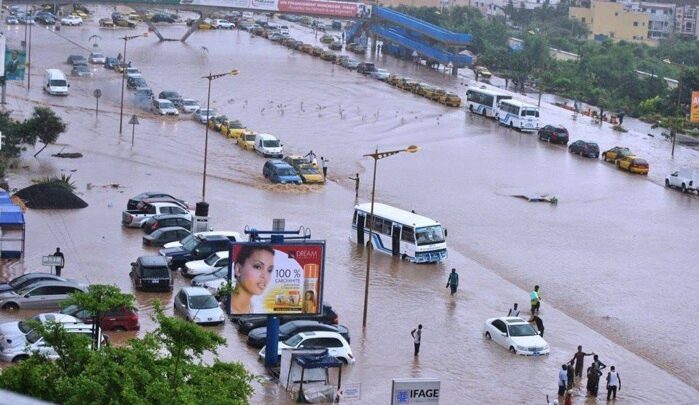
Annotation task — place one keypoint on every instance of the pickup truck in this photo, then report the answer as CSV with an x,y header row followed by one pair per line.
x,y
684,179
198,248
246,323
136,218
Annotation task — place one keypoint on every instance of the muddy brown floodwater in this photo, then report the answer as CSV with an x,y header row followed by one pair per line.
x,y
616,258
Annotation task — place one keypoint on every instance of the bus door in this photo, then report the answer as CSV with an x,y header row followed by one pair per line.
x,y
395,240
361,218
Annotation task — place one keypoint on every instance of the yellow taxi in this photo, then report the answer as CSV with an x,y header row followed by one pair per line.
x,y
247,140
407,84
437,94
393,79
135,17
205,24
423,89
483,72
633,164
218,122
317,51
329,56
81,14
233,129
615,153
450,99
308,48
309,173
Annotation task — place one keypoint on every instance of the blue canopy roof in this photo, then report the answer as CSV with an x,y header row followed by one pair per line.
x,y
11,214
317,361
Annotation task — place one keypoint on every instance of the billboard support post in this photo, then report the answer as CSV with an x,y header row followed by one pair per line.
x,y
272,343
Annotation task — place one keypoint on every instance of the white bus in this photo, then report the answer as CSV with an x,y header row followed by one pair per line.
x,y
516,114
400,233
484,102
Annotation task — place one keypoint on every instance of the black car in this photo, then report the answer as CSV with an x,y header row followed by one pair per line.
x,y
366,67
246,323
133,201
164,221
258,336
196,248
77,60
110,63
173,96
45,19
162,18
584,148
165,235
136,82
151,273
554,134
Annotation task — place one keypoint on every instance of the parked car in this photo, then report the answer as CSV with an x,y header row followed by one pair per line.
x,y
203,115
684,179
196,248
615,153
150,273
162,18
189,105
144,95
449,99
329,56
278,171
308,172
119,320
106,23
335,46
136,82
516,335
135,218
198,305
133,72
584,148
26,20
45,19
44,294
258,336
11,20
247,140
173,96
246,323
423,89
366,68
110,62
77,59
97,58
337,345
28,279
23,346
632,164
81,70
553,134
268,146
163,107
483,72
380,74
166,220
15,328
214,261
231,235
72,20
161,236
133,202
216,274
349,63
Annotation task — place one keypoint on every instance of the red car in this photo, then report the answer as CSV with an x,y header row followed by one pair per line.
x,y
116,320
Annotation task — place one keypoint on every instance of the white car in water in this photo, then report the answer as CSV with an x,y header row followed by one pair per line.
x,y
189,105
72,20
211,263
516,335
198,305
15,328
336,344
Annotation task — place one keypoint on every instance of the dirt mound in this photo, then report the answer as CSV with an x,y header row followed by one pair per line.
x,y
50,196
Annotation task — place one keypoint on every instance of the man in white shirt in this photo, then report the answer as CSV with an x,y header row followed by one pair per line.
x,y
613,382
417,337
514,311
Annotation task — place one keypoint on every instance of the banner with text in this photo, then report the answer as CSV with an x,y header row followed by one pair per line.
x,y
277,279
14,64
694,111
339,9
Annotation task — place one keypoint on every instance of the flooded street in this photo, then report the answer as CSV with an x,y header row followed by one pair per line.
x,y
614,258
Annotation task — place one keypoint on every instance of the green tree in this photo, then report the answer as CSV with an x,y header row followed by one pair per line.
x,y
44,125
98,300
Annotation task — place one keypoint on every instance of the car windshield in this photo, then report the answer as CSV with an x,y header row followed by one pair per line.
x,y
189,244
24,326
190,102
18,281
293,341
249,137
166,104
156,272
285,172
132,70
308,169
33,337
97,55
523,329
429,235
81,68
211,260
58,83
203,302
271,143
221,273
382,71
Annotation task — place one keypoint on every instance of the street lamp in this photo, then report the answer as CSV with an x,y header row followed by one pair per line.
x,y
678,107
376,156
210,77
126,39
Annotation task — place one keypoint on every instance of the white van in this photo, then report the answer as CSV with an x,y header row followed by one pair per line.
x,y
55,83
163,107
268,146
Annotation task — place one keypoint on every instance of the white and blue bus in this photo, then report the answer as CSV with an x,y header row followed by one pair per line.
x,y
519,115
484,102
400,233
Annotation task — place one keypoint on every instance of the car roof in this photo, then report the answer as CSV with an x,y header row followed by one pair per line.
x,y
167,216
213,237
195,291
153,260
170,228
30,276
320,333
60,283
163,100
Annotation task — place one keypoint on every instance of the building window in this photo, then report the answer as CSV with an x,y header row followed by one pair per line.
x,y
616,14
635,23
611,35
583,19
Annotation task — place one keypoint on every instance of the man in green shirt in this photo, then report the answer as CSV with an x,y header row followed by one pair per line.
x,y
453,281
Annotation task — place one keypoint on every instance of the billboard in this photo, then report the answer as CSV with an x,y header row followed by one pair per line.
x,y
277,279
415,391
694,108
14,64
339,9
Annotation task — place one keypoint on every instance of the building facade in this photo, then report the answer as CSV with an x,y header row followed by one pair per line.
x,y
616,21
661,18
687,21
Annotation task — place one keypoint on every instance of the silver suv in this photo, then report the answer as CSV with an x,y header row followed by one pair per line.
x,y
44,294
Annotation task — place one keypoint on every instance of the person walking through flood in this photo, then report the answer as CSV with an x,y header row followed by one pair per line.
x,y
593,375
579,359
324,162
417,338
613,382
535,298
453,281
514,311
63,261
562,380
571,375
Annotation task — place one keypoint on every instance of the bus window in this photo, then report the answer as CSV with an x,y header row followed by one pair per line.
x,y
407,234
387,225
378,223
354,218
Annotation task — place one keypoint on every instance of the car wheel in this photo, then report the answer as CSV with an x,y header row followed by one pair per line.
x,y
10,306
512,350
487,335
119,329
343,360
684,188
667,183
20,358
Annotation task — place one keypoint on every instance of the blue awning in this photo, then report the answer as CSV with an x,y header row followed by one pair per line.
x,y
317,361
11,214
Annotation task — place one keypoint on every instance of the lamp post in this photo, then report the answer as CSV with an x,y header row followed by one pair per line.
x,y
126,39
376,156
210,77
678,111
